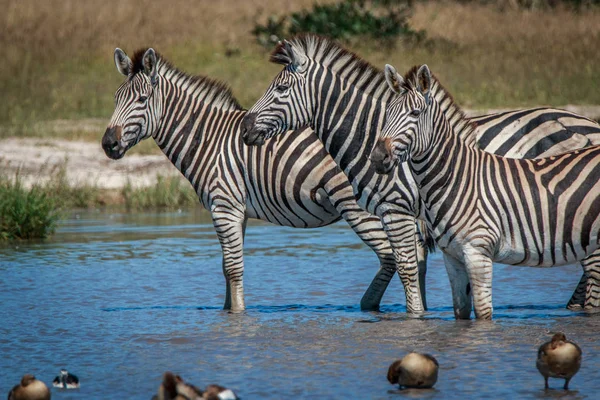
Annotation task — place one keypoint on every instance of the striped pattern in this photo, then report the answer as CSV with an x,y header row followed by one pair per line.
x,y
481,207
292,181
344,99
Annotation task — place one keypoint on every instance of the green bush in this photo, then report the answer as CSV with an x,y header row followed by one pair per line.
x,y
382,20
26,213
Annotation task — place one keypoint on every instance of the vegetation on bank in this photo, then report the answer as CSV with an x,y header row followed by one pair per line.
x,y
58,54
33,212
26,213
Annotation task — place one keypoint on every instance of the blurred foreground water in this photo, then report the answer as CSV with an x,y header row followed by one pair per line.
x,y
120,298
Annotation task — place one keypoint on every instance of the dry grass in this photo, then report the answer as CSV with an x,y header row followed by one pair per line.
x,y
58,53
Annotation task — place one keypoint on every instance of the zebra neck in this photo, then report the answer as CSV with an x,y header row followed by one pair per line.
x,y
462,126
446,171
192,133
347,120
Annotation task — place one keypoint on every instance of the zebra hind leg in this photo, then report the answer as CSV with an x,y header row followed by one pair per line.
x,y
369,228
587,293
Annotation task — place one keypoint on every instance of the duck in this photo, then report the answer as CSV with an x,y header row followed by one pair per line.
x,y
173,387
66,380
217,392
29,389
414,370
559,358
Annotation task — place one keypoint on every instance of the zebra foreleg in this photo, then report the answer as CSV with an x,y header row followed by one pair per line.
x,y
479,269
461,287
230,232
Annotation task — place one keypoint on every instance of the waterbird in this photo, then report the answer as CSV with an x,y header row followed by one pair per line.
x,y
29,389
173,387
414,370
558,358
66,380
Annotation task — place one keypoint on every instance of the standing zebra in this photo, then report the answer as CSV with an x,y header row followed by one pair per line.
x,y
481,207
343,98
196,122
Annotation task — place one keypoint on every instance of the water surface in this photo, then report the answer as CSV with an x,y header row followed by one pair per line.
x,y
118,299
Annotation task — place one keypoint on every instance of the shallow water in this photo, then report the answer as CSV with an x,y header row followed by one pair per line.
x,y
118,299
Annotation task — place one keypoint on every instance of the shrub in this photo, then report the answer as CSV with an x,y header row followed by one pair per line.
x,y
26,213
382,20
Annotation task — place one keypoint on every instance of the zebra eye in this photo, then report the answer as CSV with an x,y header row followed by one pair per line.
x,y
142,99
416,112
281,88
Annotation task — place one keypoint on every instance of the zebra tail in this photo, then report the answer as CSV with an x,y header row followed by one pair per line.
x,y
425,236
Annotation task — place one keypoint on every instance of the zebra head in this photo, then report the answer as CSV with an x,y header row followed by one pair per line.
x,y
404,134
285,105
137,103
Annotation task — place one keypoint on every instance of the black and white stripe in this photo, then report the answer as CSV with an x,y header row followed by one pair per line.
x,y
292,181
481,207
344,99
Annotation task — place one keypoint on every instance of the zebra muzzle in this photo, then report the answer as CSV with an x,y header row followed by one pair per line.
x,y
111,142
380,158
251,135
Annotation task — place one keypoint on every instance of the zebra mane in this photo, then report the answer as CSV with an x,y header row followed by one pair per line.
x,y
460,123
212,91
344,63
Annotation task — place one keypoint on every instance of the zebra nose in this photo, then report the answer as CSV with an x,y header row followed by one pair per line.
x,y
110,141
248,124
380,157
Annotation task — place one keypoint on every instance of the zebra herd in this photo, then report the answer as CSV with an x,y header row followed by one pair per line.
x,y
329,108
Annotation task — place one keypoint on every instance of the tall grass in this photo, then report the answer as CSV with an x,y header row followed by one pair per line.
x,y
169,193
26,213
33,212
57,54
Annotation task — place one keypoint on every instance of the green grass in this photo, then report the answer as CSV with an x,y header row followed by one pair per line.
x,y
33,212
168,193
58,61
26,213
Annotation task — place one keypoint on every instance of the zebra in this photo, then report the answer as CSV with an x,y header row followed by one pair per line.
x,y
291,182
343,98
481,207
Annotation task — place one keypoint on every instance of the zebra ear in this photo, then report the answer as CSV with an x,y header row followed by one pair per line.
x,y
393,78
297,59
122,62
149,62
424,81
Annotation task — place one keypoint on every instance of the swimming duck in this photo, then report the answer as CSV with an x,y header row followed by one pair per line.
x,y
558,358
216,392
29,389
174,387
66,380
414,370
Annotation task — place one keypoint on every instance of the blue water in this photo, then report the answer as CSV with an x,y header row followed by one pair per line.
x,y
119,298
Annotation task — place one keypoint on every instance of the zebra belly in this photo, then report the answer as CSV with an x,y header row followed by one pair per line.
x,y
290,182
560,255
308,214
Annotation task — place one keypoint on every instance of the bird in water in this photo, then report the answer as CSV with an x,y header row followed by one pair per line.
x,y
173,387
66,380
29,389
414,370
558,358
